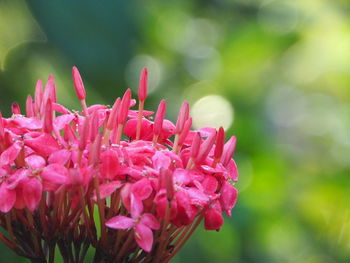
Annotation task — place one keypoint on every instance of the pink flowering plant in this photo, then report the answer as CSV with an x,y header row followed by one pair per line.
x,y
132,186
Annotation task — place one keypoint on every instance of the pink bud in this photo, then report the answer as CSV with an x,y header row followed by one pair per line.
x,y
48,115
94,126
38,98
195,145
96,149
15,108
220,140
124,107
2,131
51,89
69,134
167,179
185,131
169,184
228,151
158,121
49,93
182,117
78,84
142,94
105,121
85,134
112,120
205,148
29,106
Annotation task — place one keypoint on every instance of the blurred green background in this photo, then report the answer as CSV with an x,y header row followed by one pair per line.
x,y
275,73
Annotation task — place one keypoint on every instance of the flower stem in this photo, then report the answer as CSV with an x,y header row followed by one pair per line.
x,y
184,238
101,211
124,248
139,119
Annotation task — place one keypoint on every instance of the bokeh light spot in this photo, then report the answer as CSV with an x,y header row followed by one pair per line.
x,y
203,62
214,111
134,68
278,16
17,26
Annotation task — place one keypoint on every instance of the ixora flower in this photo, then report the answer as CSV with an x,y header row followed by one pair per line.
x,y
109,177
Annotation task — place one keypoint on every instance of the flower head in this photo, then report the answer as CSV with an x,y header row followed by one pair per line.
x,y
147,179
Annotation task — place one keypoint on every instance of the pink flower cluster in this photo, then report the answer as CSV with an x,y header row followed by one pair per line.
x,y
151,181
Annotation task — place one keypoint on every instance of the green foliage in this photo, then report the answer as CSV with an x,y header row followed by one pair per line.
x,y
282,65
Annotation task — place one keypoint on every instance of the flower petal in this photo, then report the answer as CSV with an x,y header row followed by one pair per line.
x,y
120,222
8,198
182,177
228,197
10,154
109,164
144,237
136,206
35,161
60,157
232,169
213,219
142,189
55,173
150,220
210,184
28,123
44,144
160,160
197,197
32,191
146,129
107,189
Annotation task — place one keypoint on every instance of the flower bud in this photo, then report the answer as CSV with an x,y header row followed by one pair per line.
x,y
142,93
78,84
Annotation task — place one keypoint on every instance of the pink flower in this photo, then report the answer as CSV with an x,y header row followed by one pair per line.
x,y
142,224
146,177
